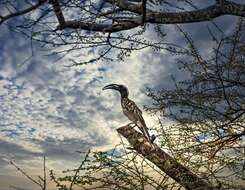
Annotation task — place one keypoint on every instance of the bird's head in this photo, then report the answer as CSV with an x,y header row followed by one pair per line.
x,y
121,88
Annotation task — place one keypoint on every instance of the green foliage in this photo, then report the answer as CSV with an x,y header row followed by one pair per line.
x,y
207,110
101,170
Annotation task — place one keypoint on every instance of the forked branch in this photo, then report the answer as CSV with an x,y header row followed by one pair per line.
x,y
148,16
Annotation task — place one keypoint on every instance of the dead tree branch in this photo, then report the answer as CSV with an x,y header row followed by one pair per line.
x,y
164,161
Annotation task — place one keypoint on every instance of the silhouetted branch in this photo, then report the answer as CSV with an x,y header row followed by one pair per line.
x,y
26,174
21,12
79,169
41,182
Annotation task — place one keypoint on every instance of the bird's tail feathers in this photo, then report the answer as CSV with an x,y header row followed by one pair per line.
x,y
144,130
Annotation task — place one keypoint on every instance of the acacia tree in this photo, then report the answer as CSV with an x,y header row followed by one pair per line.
x,y
108,27
207,136
208,108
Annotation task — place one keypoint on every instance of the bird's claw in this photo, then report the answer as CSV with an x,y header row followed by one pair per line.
x,y
153,137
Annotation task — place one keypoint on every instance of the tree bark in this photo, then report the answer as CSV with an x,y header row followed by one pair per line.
x,y
220,8
164,161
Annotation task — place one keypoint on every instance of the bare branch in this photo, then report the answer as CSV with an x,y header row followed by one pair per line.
x,y
227,8
207,14
143,11
27,10
58,12
26,175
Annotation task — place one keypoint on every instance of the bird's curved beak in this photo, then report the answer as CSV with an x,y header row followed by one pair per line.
x,y
111,86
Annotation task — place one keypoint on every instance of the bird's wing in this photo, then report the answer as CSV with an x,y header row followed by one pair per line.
x,y
141,122
132,111
131,107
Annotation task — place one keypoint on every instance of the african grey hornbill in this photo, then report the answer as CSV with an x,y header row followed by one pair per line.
x,y
131,110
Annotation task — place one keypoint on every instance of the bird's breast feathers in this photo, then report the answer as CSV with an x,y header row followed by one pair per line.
x,y
129,105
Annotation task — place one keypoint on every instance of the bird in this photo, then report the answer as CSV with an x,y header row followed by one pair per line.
x,y
131,110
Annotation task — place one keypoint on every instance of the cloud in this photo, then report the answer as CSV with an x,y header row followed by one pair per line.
x,y
48,108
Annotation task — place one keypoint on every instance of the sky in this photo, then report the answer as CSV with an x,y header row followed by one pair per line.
x,y
47,108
